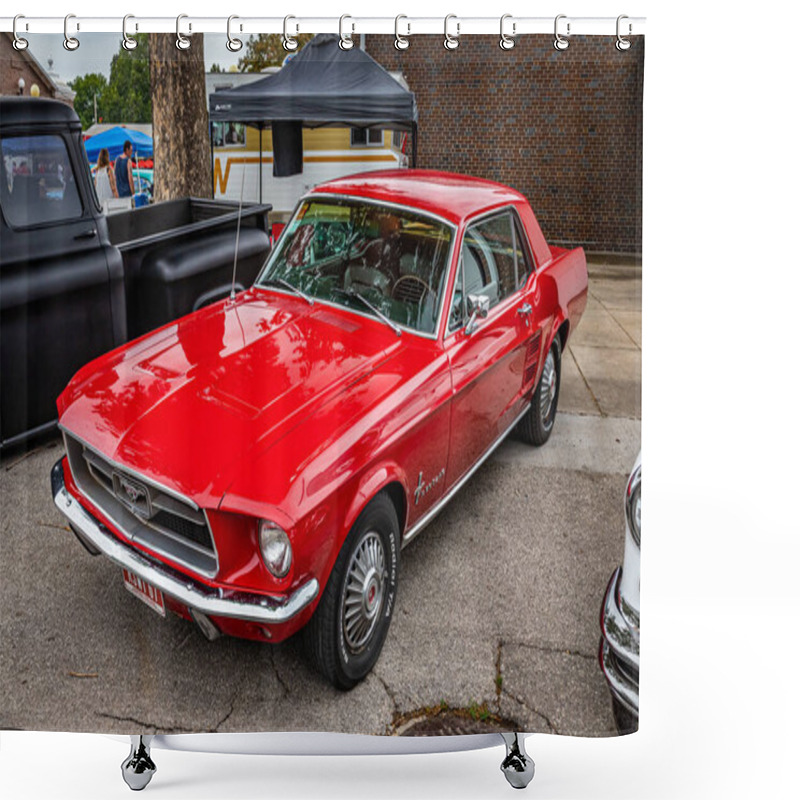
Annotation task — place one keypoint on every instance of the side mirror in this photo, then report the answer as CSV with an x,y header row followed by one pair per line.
x,y
477,307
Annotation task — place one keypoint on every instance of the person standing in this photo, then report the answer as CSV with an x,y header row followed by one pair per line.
x,y
104,179
123,171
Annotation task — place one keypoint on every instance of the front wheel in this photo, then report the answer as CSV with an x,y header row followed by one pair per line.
x,y
345,636
537,425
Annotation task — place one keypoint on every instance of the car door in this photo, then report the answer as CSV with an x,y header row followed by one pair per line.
x,y
487,355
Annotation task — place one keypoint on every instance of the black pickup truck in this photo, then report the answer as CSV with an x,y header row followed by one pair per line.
x,y
75,283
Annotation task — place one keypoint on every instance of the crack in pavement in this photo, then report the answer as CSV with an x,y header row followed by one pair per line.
x,y
556,650
144,725
586,383
498,673
285,686
216,728
390,727
525,705
619,324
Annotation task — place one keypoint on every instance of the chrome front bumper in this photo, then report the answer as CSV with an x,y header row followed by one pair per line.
x,y
619,649
193,594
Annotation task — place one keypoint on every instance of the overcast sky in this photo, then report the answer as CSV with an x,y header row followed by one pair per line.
x,y
97,50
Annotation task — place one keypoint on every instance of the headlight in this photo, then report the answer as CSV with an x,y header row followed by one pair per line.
x,y
276,549
633,504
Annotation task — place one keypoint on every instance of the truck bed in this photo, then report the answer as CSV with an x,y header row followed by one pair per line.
x,y
172,219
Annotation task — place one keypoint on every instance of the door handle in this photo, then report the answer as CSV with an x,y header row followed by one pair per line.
x,y
90,234
525,311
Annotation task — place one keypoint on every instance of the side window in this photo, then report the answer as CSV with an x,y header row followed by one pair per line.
x,y
488,256
458,310
37,181
495,262
523,259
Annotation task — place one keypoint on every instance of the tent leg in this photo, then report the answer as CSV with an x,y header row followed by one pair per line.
x,y
211,136
260,165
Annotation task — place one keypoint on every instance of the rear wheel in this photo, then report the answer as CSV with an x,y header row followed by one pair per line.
x,y
537,425
345,636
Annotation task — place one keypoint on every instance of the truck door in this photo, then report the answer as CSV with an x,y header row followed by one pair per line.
x,y
55,305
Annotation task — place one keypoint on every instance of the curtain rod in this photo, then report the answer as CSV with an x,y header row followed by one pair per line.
x,y
407,26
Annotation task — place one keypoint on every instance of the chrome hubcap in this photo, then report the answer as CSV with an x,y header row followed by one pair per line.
x,y
547,397
363,592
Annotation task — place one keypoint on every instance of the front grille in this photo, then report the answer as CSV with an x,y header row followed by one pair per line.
x,y
628,670
142,510
193,531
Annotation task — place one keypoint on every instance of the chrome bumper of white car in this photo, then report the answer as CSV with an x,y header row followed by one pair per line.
x,y
619,649
193,594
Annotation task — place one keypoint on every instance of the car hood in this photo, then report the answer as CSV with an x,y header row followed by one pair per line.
x,y
187,404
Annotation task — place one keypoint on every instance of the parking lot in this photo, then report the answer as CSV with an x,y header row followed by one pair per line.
x,y
497,614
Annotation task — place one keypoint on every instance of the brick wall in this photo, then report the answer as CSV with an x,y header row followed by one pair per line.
x,y
564,128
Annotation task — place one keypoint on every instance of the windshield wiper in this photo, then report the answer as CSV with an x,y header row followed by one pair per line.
x,y
377,312
286,285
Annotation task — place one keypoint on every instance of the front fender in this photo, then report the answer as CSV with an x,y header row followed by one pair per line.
x,y
372,483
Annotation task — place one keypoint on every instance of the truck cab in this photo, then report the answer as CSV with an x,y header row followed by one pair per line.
x,y
61,281
75,283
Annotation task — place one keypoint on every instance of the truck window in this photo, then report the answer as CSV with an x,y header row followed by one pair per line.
x,y
37,182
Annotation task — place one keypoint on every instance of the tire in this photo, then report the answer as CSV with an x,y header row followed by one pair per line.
x,y
345,650
537,425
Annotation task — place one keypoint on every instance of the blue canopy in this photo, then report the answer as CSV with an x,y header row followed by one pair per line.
x,y
114,139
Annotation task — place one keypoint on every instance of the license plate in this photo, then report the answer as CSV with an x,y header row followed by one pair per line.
x,y
148,594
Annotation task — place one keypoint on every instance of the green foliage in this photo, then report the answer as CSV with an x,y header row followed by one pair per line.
x,y
85,88
215,68
125,97
266,50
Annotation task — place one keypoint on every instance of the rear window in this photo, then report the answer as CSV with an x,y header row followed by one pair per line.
x,y
37,183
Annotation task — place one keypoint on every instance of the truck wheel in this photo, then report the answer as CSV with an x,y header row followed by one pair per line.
x,y
537,425
345,636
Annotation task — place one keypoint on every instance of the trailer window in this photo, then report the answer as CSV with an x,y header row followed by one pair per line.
x,y
37,181
366,137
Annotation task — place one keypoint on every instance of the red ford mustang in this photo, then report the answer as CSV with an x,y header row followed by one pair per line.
x,y
258,465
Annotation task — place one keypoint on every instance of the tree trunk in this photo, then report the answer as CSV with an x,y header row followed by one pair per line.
x,y
181,142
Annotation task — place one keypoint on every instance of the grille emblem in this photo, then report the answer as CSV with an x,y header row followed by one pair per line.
x,y
132,494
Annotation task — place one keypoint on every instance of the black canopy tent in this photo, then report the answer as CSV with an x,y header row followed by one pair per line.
x,y
322,85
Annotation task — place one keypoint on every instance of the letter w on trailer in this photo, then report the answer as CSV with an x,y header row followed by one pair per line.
x,y
322,86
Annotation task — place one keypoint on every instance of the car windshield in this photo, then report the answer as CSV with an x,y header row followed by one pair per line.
x,y
348,251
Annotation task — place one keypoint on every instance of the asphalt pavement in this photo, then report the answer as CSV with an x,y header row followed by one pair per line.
x,y
497,610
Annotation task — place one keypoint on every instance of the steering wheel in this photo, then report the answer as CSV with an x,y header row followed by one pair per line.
x,y
416,279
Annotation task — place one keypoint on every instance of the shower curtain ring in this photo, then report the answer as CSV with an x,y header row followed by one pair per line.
x,y
233,44
560,42
345,40
19,43
289,43
181,42
70,42
506,41
451,39
622,43
401,42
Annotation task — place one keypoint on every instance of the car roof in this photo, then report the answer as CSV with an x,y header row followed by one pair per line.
x,y
454,197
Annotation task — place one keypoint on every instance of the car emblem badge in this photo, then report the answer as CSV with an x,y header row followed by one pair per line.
x,y
423,488
134,495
